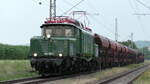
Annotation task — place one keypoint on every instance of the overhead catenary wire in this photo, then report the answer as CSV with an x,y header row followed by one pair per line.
x,y
131,5
71,4
108,26
141,23
73,7
139,18
92,7
143,4
105,27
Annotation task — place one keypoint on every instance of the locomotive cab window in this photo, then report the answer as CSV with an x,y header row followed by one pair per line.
x,y
48,31
58,31
68,32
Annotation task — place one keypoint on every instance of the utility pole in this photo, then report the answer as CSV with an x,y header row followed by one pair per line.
x,y
131,40
52,9
116,29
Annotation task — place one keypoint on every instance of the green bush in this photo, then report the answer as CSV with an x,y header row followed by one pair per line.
x,y
13,52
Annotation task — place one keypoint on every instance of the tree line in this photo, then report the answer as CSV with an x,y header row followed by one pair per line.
x,y
13,52
145,50
130,44
21,52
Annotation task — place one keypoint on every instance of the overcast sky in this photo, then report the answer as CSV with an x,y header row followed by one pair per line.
x,y
21,19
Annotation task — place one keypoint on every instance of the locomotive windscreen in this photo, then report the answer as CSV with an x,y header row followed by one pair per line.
x,y
58,30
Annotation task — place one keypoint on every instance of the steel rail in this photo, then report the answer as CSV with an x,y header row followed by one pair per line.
x,y
37,80
120,75
19,80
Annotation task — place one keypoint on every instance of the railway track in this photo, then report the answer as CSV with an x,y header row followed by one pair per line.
x,y
39,80
19,80
36,80
125,77
121,78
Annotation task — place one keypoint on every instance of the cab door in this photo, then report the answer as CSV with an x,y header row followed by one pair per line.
x,y
96,50
72,49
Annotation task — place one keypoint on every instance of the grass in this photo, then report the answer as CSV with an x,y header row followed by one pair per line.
x,y
15,69
90,78
115,70
144,78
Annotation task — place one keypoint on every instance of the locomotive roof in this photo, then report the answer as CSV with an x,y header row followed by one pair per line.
x,y
69,24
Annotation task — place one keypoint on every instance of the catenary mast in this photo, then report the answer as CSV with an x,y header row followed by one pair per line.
x,y
52,14
116,29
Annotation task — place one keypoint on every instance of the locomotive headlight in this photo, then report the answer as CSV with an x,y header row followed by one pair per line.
x,y
35,54
60,55
48,36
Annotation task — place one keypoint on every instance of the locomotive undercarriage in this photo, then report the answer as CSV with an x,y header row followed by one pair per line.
x,y
67,65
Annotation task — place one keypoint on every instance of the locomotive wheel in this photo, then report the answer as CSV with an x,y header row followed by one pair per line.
x,y
94,65
85,65
77,66
66,66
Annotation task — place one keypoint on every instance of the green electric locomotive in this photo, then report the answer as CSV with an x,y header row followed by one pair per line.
x,y
65,45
